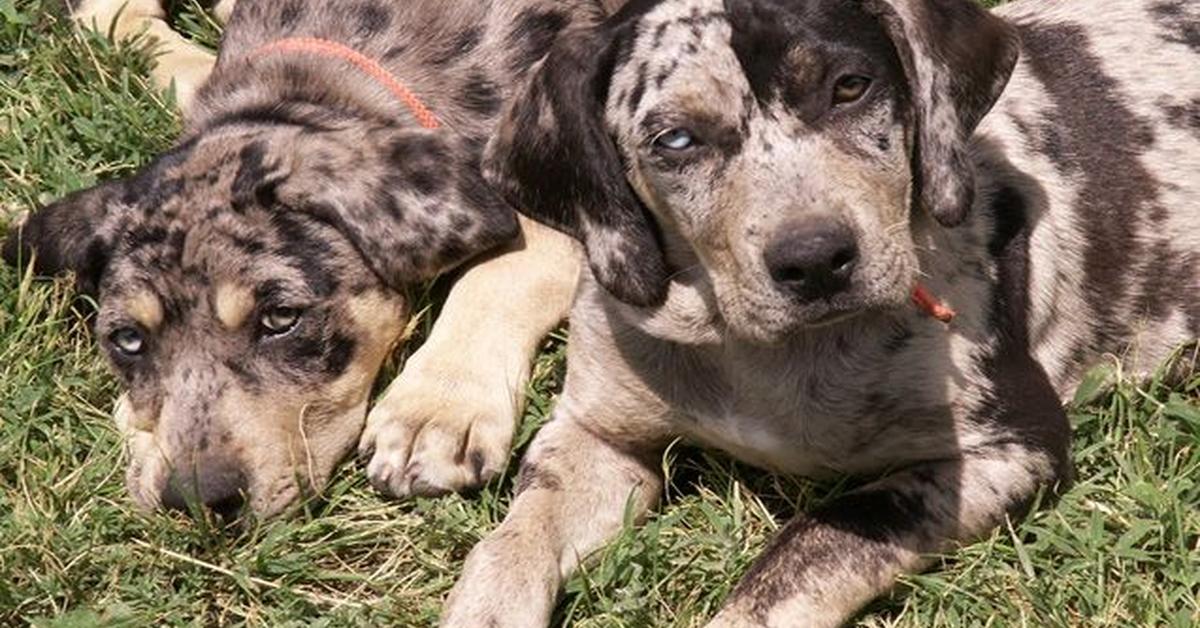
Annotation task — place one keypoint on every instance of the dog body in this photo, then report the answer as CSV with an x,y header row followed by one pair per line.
x,y
751,266
252,280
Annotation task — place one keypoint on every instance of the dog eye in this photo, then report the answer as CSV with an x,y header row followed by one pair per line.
x,y
850,88
675,139
280,320
128,341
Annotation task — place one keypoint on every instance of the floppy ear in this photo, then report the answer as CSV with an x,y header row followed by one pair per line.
x,y
554,160
957,58
76,233
412,201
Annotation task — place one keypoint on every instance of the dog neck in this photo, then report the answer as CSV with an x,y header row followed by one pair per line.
x,y
328,49
312,81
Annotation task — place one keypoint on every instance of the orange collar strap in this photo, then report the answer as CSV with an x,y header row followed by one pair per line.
x,y
929,304
326,48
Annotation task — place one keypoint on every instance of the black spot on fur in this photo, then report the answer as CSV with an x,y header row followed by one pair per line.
x,y
532,35
477,462
143,235
338,354
534,477
1167,274
1046,138
384,198
290,13
639,89
459,47
395,52
1184,116
879,515
422,163
243,373
460,223
1180,24
665,73
249,184
494,214
248,245
480,94
306,251
371,18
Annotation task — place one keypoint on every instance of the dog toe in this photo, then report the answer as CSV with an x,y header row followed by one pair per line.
x,y
430,444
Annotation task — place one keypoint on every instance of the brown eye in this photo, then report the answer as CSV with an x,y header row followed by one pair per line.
x,y
278,321
850,88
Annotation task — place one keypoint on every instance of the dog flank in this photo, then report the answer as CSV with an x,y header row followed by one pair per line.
x,y
955,165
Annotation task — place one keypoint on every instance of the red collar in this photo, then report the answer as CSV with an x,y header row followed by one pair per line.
x,y
326,48
929,304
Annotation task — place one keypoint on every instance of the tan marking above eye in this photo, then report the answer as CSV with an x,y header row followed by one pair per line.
x,y
145,308
233,303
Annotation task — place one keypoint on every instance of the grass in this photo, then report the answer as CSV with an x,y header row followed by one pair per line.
x,y
1122,548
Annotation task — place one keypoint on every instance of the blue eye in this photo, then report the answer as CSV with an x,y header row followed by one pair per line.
x,y
675,139
128,341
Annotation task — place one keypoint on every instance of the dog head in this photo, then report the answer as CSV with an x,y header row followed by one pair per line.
x,y
777,145
249,285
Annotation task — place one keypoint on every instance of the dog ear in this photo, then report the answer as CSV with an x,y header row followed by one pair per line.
x,y
554,160
76,233
957,58
413,202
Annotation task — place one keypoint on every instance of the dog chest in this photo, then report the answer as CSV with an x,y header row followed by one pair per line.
x,y
832,417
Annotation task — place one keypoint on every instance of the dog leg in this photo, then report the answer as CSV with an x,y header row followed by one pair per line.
x,y
573,494
447,422
824,566
178,61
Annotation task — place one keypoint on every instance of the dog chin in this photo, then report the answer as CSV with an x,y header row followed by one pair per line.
x,y
776,330
783,326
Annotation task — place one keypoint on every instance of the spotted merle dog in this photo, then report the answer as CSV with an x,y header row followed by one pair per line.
x,y
766,190
252,279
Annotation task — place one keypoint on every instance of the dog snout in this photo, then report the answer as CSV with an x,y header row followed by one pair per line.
x,y
813,259
216,483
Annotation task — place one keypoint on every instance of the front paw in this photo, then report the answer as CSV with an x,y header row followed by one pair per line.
x,y
506,583
436,434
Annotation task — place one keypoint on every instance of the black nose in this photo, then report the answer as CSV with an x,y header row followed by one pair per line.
x,y
813,259
217,484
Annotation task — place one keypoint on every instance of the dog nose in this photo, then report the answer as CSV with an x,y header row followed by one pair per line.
x,y
813,259
217,484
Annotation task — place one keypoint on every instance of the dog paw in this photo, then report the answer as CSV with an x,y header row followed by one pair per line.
x,y
432,434
505,582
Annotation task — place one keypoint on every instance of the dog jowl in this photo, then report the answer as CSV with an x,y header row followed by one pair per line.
x,y
250,284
